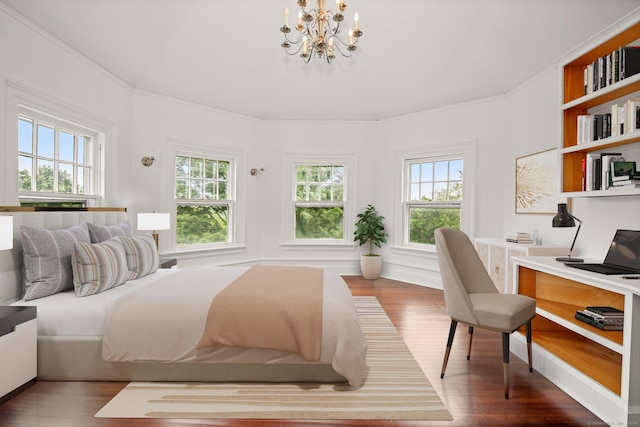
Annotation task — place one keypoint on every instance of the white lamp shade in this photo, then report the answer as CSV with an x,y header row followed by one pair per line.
x,y
6,232
154,221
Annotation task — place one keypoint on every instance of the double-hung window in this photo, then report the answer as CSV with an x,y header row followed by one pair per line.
x,y
319,196
205,199
432,197
58,161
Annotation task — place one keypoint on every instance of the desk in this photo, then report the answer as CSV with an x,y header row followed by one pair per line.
x,y
595,367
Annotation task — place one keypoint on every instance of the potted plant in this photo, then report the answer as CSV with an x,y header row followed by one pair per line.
x,y
370,229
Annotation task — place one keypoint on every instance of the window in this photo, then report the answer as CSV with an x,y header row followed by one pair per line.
x,y
432,197
319,201
57,161
204,196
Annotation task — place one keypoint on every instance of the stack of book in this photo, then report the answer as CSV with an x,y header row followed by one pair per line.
x,y
606,70
519,238
602,317
624,175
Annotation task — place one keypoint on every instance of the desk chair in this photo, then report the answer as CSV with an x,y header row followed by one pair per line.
x,y
472,298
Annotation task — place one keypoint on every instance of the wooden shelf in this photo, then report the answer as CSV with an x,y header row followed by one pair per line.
x,y
576,103
565,313
598,362
592,351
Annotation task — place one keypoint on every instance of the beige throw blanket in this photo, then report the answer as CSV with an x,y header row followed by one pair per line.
x,y
164,321
245,314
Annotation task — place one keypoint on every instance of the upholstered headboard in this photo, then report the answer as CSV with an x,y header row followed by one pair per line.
x,y
11,282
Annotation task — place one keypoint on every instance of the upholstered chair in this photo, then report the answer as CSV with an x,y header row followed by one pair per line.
x,y
471,297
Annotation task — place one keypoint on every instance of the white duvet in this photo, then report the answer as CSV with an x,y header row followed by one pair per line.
x,y
163,334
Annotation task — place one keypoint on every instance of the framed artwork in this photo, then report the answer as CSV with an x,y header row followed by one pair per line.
x,y
537,183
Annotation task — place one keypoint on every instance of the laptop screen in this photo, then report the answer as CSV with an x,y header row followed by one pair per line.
x,y
625,249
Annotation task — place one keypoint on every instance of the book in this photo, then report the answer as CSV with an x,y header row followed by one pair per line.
x,y
629,61
519,237
597,174
633,115
603,310
624,185
610,325
607,159
617,180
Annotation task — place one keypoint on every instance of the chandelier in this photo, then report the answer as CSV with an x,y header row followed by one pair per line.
x,y
320,32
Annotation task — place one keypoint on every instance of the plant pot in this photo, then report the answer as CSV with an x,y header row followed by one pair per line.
x,y
371,266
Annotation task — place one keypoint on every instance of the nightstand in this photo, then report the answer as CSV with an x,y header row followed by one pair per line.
x,y
168,263
18,350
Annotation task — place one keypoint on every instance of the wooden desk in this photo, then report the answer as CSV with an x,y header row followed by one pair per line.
x,y
595,367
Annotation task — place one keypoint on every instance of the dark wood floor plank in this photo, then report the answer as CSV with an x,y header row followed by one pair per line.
x,y
472,390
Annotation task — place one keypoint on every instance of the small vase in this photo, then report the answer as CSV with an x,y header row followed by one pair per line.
x,y
371,266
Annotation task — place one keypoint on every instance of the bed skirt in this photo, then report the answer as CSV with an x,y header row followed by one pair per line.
x,y
80,359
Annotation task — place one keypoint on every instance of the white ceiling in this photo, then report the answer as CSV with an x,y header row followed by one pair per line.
x,y
414,55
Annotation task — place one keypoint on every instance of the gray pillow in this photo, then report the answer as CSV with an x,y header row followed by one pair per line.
x,y
47,259
99,233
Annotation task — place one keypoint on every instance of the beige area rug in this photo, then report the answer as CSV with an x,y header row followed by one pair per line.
x,y
395,389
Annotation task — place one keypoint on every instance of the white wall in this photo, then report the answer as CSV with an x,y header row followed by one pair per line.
x,y
31,60
161,122
503,128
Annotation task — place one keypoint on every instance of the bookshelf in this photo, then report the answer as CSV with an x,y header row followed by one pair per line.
x,y
575,103
595,367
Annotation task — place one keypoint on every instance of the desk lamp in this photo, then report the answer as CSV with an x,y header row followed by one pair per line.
x,y
564,219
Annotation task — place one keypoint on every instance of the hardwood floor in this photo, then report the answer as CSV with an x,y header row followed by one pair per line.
x,y
472,390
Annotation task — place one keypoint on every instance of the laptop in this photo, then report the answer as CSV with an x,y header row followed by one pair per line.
x,y
623,256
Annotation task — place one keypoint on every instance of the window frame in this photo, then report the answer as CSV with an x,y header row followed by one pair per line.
x,y
465,150
237,214
20,100
348,162
93,164
408,203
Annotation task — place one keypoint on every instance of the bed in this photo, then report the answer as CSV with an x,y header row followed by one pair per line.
x,y
76,335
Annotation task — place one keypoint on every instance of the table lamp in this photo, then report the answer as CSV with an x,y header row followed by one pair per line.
x,y
6,233
564,219
154,222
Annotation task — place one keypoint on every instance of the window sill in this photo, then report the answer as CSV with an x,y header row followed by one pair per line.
x,y
414,250
198,252
339,246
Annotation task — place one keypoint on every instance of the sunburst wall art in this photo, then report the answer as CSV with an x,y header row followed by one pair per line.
x,y
537,183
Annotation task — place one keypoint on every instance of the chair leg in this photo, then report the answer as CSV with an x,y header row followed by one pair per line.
x,y
528,329
470,341
452,332
505,362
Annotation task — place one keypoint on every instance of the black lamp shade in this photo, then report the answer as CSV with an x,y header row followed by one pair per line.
x,y
563,218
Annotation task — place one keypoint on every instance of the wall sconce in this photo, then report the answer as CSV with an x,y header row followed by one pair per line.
x,y
6,233
154,221
255,171
148,160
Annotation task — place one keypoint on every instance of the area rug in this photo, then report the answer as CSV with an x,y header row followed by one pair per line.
x,y
395,388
